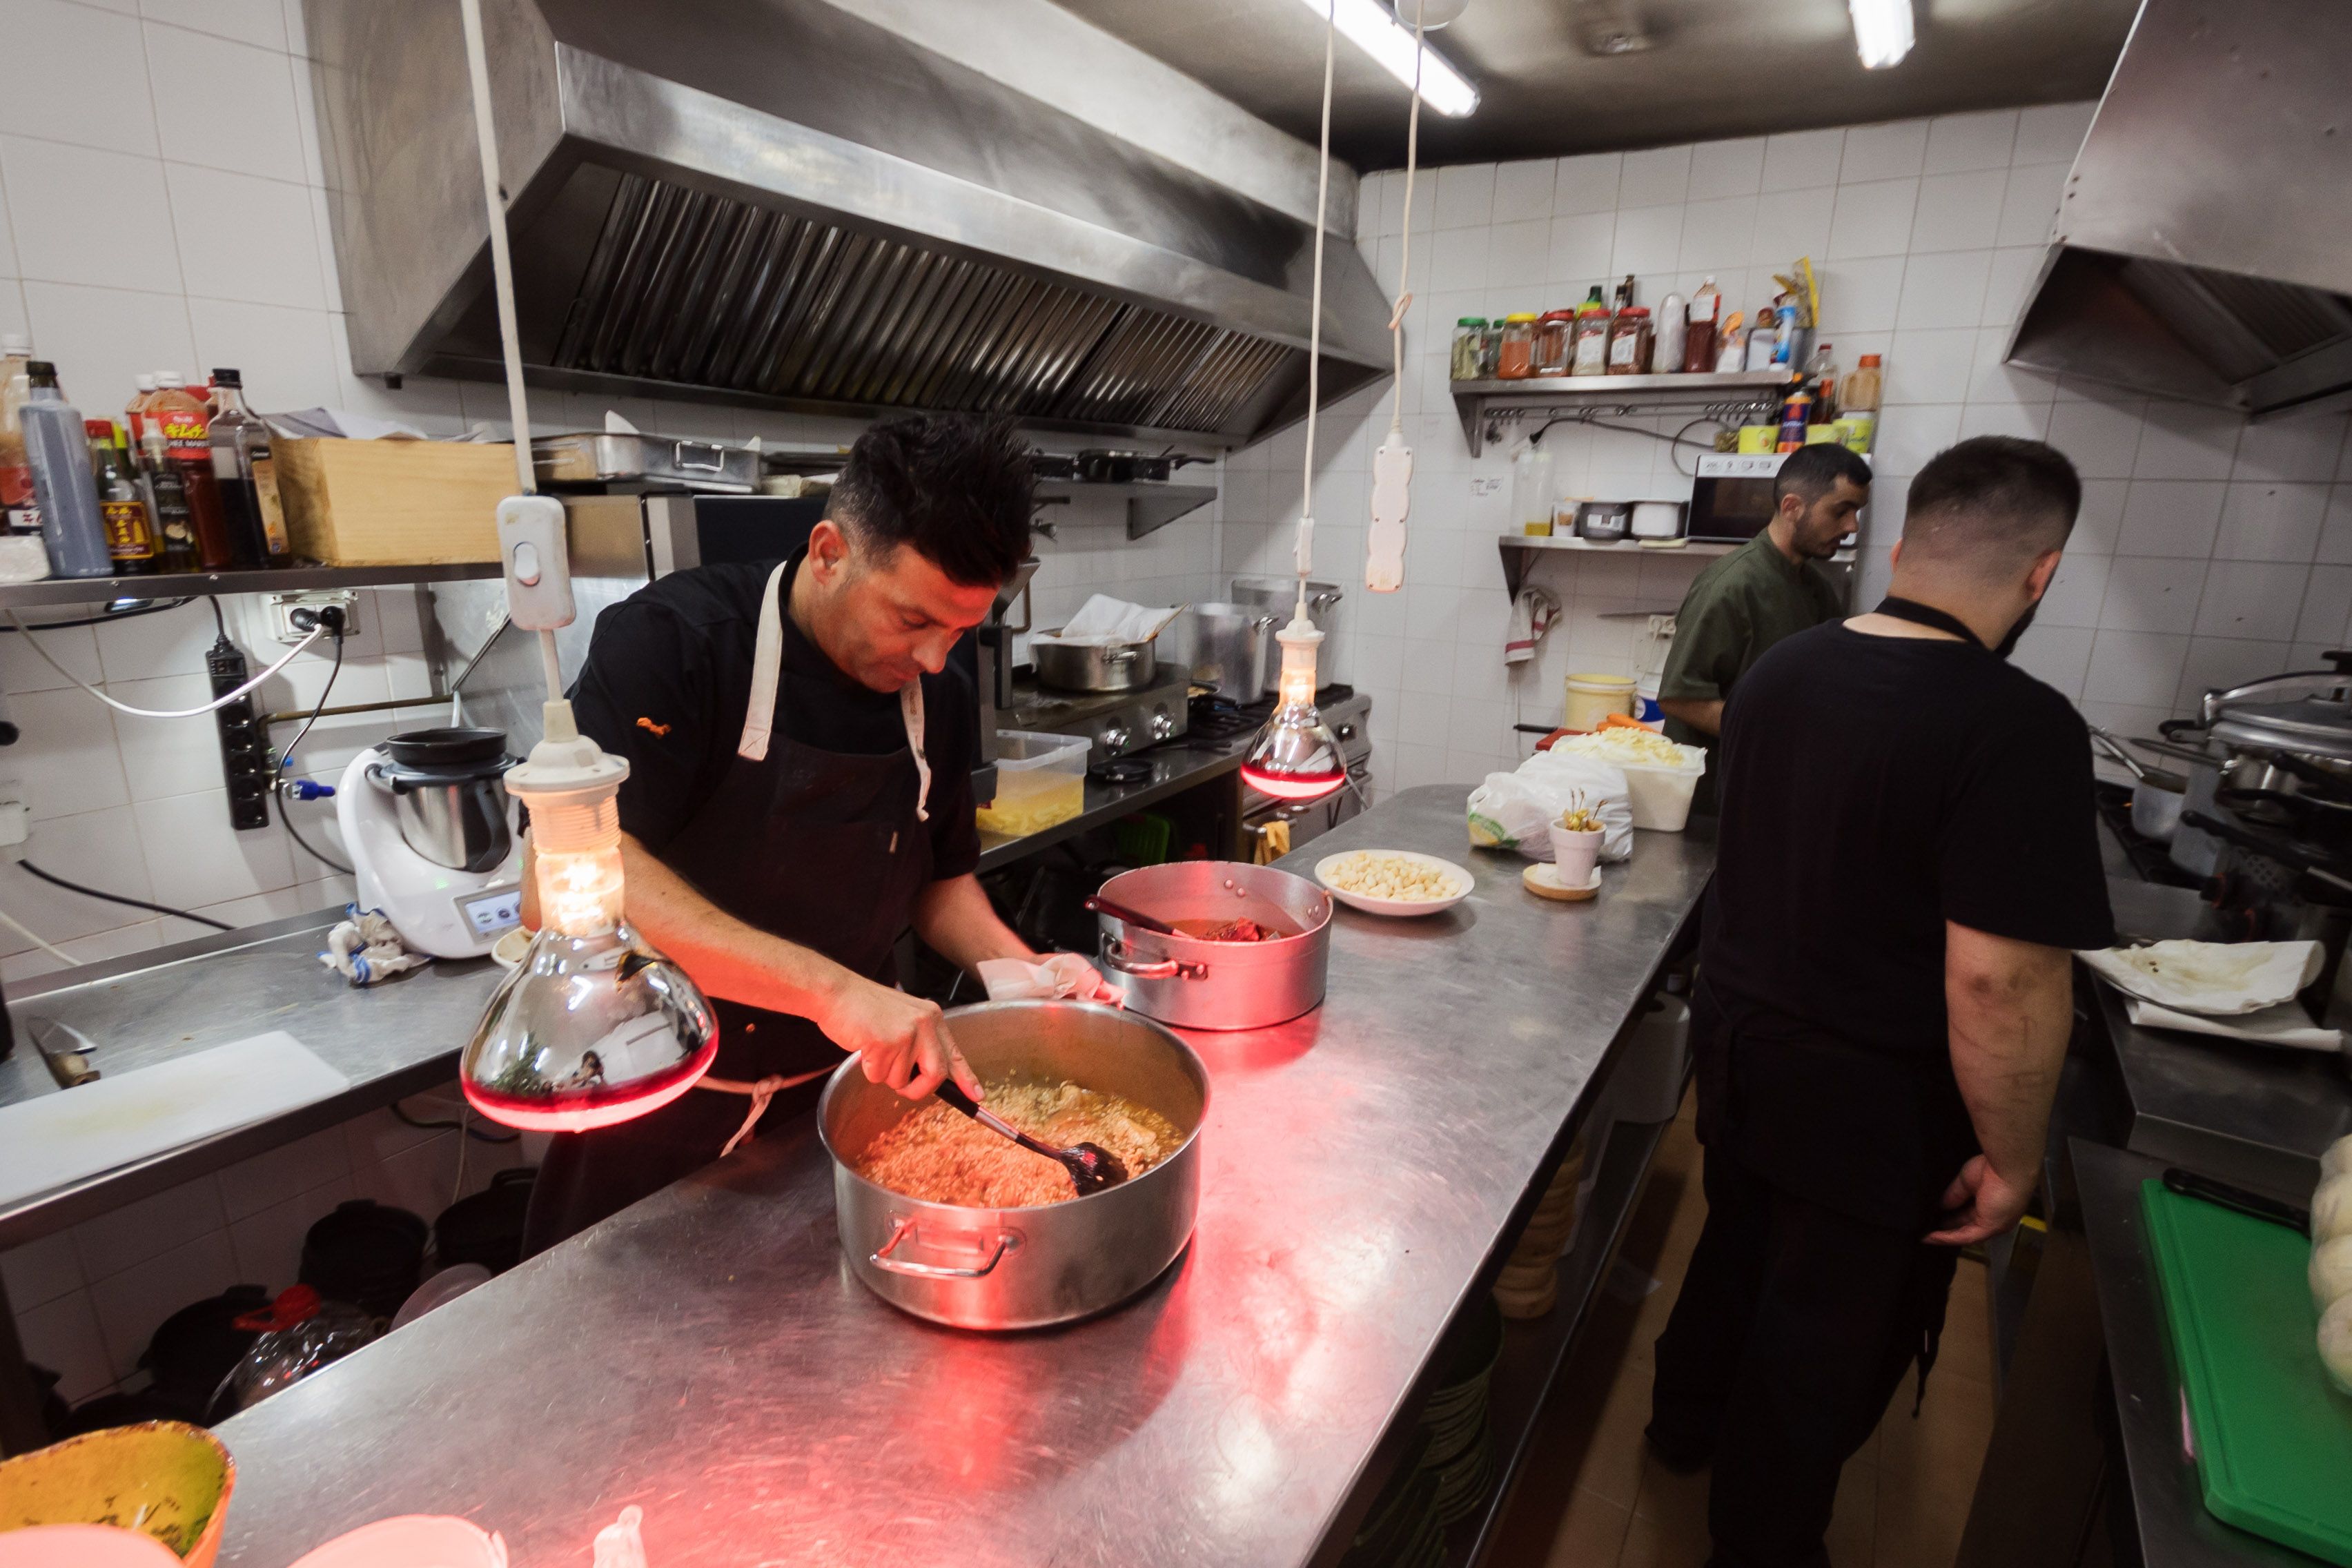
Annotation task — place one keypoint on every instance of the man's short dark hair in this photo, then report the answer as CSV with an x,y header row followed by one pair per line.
x,y
1813,470
1992,505
955,487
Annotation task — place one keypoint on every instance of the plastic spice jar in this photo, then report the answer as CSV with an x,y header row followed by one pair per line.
x,y
1469,348
1515,359
1629,341
1553,335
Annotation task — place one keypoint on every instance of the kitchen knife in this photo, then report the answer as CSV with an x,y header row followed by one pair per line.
x,y
65,1049
2189,1185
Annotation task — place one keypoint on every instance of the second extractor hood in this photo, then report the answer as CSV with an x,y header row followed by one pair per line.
x,y
836,205
2203,248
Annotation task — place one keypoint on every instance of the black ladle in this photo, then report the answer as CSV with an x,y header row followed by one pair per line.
x,y
1092,1167
1136,918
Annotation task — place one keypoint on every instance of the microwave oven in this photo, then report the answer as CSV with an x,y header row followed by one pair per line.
x,y
1731,498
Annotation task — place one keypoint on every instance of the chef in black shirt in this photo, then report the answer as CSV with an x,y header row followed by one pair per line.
x,y
800,792
1907,854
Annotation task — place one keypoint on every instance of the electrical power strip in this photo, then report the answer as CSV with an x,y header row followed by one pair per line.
x,y
245,750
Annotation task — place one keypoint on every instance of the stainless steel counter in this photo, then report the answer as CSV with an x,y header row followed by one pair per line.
x,y
707,1356
2166,1501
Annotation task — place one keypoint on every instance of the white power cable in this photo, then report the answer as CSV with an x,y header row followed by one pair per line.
x,y
1404,264
1314,319
13,923
223,700
486,138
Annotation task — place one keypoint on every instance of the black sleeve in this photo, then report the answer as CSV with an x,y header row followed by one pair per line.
x,y
647,694
2019,857
951,745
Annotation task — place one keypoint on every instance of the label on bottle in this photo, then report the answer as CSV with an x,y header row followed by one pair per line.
x,y
266,499
1591,353
17,481
23,518
1621,347
128,535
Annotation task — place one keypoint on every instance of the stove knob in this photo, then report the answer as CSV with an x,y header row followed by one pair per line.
x,y
1345,731
1115,737
1163,724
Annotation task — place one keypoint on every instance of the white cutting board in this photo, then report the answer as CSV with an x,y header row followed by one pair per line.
x,y
77,1132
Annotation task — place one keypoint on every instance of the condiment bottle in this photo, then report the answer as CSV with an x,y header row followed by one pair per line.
x,y
187,427
1624,300
1553,335
121,502
247,475
1666,346
167,492
1516,360
1698,339
1823,371
58,449
1531,493
17,501
1731,345
1469,341
1795,414
1629,341
1589,350
133,411
1763,338
1860,393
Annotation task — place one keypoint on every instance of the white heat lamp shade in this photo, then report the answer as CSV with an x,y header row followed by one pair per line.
x,y
595,1026
1883,31
1296,756
1370,28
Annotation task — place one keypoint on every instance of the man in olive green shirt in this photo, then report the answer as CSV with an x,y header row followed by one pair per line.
x,y
1765,590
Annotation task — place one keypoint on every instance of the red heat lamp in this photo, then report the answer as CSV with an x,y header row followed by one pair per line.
x,y
1296,756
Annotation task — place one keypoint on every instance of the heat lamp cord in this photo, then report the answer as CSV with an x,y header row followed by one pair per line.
x,y
485,140
221,701
1315,319
1404,260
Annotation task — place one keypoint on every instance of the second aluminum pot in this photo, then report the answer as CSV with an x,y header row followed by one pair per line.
x,y
1196,983
1024,1268
1092,666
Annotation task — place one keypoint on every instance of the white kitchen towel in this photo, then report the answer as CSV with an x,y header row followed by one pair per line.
x,y
2218,979
1105,619
1058,977
57,1139
2285,1025
1532,615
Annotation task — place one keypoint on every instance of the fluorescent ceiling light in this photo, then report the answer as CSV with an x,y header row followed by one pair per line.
x,y
1882,31
1368,25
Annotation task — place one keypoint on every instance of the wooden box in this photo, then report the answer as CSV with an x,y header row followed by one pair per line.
x,y
394,503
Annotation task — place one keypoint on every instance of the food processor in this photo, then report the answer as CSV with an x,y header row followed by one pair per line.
x,y
432,839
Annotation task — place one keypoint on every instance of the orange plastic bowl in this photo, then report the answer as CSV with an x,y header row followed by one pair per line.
x,y
162,1479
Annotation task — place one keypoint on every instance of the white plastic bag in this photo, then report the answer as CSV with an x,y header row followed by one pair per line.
x,y
1515,810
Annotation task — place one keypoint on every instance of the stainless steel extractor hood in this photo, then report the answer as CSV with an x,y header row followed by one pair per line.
x,y
836,205
2203,249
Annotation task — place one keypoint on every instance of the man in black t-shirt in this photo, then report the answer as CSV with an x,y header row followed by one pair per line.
x,y
1907,853
800,792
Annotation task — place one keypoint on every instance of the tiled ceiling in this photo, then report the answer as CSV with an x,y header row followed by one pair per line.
x,y
1713,68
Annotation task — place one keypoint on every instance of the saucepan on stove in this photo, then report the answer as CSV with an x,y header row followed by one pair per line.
x,y
1251,947
974,1266
1091,665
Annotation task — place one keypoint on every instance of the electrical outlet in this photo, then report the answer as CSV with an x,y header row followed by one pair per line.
x,y
245,748
283,605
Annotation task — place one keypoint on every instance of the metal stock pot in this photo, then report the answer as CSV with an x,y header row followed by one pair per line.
x,y
1024,1268
1195,983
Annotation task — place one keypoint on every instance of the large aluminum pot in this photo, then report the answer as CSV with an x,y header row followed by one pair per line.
x,y
1092,666
1195,983
1024,1268
1228,648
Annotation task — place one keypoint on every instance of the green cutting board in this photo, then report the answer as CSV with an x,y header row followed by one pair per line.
x,y
2273,1437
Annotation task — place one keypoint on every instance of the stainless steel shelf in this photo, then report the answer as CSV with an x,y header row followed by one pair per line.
x,y
1487,406
1517,551
182,584
1151,504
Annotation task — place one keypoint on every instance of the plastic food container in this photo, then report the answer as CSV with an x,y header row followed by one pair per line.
x,y
1040,780
1593,698
1661,797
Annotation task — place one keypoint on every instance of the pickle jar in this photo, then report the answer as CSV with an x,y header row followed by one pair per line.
x,y
1516,359
1469,349
1554,334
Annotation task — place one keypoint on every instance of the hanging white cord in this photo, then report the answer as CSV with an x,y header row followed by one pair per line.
x,y
1404,263
486,138
1315,321
221,701
21,929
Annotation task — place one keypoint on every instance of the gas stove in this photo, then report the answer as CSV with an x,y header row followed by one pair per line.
x,y
1114,723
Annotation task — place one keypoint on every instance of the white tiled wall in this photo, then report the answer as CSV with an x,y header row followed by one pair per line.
x,y
2208,551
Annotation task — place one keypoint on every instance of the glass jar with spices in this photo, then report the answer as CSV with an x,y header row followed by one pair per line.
x,y
1629,341
1553,334
1515,359
1588,351
1469,349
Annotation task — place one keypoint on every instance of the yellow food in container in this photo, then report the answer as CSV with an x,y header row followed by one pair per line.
x,y
1041,780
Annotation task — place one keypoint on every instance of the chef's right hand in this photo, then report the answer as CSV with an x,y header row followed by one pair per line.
x,y
902,1040
1979,1205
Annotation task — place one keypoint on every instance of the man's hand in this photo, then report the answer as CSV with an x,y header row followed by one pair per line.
x,y
902,1040
1979,1205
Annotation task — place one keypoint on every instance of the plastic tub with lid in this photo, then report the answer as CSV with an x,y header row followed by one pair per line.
x,y
1593,698
1041,780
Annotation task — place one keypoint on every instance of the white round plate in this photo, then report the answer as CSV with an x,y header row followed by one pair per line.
x,y
1462,880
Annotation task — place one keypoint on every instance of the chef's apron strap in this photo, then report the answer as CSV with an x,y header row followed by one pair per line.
x,y
767,669
910,713
764,1090
1922,615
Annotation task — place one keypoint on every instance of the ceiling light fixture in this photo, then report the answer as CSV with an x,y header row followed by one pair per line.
x,y
1371,28
1882,31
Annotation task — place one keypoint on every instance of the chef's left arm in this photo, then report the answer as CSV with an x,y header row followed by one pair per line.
x,y
955,917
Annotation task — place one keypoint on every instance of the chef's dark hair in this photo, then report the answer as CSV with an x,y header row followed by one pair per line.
x,y
1812,471
1992,505
954,487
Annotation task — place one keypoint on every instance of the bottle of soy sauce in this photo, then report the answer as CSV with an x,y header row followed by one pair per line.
x,y
246,474
121,502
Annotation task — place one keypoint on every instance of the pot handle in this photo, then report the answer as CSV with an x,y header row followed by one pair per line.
x,y
1115,953
1120,655
1006,1241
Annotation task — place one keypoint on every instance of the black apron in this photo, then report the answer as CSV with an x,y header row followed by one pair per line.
x,y
823,849
1922,615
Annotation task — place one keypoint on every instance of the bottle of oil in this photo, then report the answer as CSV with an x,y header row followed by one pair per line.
x,y
121,502
247,476
59,451
187,427
175,529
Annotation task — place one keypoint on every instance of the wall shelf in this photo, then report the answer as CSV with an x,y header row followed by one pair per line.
x,y
1489,407
186,585
1151,504
1521,550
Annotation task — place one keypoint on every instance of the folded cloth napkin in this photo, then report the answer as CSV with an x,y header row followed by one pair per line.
x,y
363,948
1532,615
2218,979
2285,1025
1060,977
1105,619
